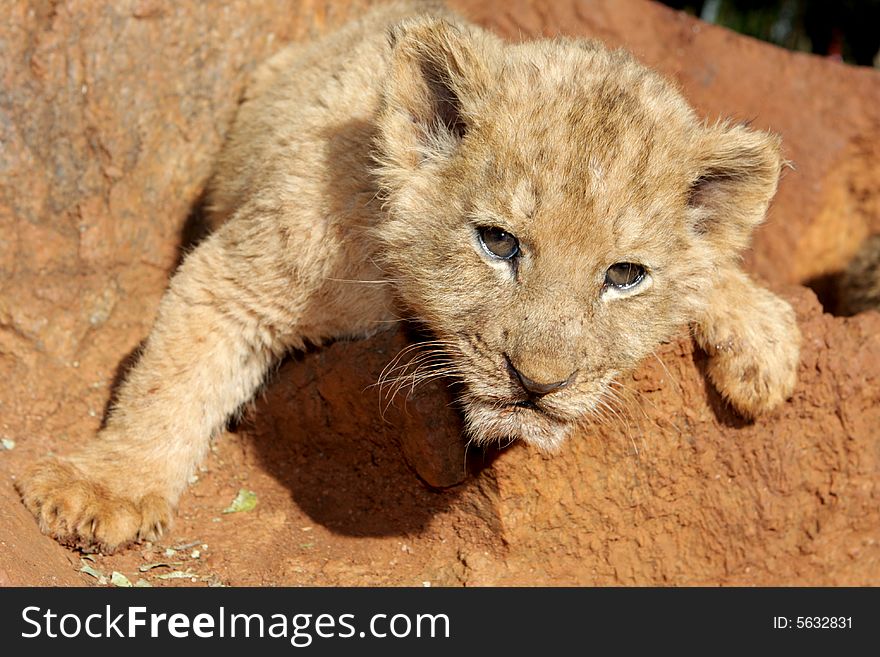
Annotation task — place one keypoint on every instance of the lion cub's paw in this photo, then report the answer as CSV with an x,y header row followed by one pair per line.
x,y
754,351
83,513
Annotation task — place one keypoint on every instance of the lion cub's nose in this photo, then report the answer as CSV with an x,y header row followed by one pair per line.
x,y
533,388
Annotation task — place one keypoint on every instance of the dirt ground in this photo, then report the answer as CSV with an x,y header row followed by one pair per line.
x,y
103,161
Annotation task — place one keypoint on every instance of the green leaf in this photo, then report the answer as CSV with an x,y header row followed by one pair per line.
x,y
246,500
94,572
118,579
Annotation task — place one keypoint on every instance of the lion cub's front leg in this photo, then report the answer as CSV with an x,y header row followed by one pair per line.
x,y
228,313
753,343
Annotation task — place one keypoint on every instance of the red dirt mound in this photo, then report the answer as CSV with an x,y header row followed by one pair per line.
x,y
111,117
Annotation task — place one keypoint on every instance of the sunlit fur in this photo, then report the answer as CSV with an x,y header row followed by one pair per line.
x,y
348,195
589,159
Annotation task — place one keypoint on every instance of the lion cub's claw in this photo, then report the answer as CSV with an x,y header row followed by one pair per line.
x,y
86,514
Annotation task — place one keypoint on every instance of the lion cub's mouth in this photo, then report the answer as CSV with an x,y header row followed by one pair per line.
x,y
523,419
535,407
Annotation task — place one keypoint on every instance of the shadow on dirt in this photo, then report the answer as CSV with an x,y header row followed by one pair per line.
x,y
320,430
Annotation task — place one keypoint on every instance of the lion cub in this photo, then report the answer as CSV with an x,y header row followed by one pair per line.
x,y
550,211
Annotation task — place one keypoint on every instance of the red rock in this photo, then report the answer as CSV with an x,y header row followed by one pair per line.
x,y
110,119
668,496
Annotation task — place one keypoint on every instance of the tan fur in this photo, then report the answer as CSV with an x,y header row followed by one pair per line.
x,y
350,192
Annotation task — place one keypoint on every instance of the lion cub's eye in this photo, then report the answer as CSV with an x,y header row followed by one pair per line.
x,y
498,243
624,275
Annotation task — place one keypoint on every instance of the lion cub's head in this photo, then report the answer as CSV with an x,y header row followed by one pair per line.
x,y
554,210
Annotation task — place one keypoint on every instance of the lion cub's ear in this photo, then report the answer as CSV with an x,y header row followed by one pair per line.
x,y
736,176
437,76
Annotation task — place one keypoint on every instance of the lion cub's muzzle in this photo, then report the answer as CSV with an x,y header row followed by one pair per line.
x,y
534,390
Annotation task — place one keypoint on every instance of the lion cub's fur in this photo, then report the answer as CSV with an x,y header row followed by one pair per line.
x,y
352,190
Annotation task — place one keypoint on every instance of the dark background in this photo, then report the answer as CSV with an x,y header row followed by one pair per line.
x,y
843,29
